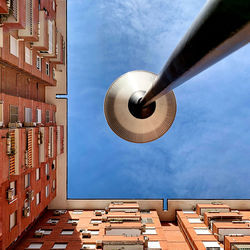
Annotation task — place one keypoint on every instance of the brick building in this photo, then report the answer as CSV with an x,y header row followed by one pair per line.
x,y
35,212
32,50
124,225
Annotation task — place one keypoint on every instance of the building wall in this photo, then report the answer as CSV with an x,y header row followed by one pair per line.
x,y
23,84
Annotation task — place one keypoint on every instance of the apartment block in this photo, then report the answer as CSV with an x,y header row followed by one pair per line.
x,y
125,225
31,138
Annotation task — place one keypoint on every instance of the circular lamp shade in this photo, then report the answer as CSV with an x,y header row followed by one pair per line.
x,y
131,121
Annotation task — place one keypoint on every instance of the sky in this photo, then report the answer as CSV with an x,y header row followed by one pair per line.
x,y
206,152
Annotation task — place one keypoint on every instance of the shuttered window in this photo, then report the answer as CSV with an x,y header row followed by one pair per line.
x,y
28,56
38,115
28,115
38,198
47,69
39,63
13,113
50,33
14,46
26,180
47,191
13,220
47,116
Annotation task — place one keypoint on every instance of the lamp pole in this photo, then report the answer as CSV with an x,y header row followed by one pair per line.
x,y
222,27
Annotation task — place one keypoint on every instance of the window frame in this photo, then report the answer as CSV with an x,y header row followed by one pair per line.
x,y
26,185
15,114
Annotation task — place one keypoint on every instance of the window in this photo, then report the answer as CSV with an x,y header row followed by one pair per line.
x,y
13,219
47,69
38,198
67,232
44,231
146,221
154,245
1,113
94,232
13,185
54,116
28,55
47,191
77,211
51,140
194,220
35,245
189,212
60,246
28,114
47,116
53,221
211,244
37,174
200,231
54,5
47,169
14,46
39,116
95,221
13,113
73,221
53,165
129,232
39,63
54,73
89,246
150,230
54,185
50,35
26,180
145,211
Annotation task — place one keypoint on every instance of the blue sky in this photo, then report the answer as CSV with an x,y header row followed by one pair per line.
x,y
205,154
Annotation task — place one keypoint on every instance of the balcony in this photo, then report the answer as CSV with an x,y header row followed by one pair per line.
x,y
51,52
59,59
43,42
16,15
30,32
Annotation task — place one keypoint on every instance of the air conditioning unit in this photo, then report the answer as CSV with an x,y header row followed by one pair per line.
x,y
26,212
74,223
104,218
30,195
85,233
99,212
15,124
29,124
10,194
99,244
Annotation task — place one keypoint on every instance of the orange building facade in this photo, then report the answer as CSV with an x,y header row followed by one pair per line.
x,y
123,225
31,50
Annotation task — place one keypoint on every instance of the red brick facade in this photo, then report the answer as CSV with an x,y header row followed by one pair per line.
x,y
30,138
